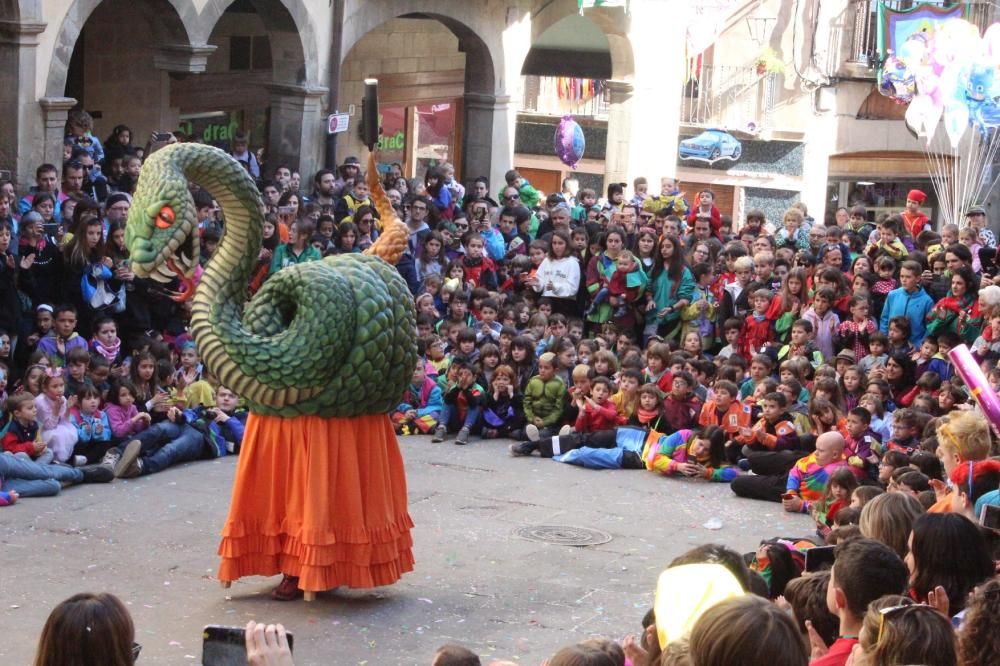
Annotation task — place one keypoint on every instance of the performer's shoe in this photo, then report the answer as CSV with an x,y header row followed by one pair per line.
x,y
287,589
531,432
566,430
439,434
462,437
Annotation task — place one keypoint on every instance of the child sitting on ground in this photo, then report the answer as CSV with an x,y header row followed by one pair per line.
x,y
502,409
543,405
726,411
77,362
839,489
421,406
801,344
682,407
23,436
649,415
462,402
53,415
596,412
905,432
877,356
627,398
774,431
94,435
123,415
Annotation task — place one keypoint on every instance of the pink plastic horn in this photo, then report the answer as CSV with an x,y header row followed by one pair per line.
x,y
972,375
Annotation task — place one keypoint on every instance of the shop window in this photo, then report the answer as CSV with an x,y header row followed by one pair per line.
x,y
435,129
249,53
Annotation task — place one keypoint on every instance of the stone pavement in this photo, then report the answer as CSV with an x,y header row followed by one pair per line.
x,y
152,541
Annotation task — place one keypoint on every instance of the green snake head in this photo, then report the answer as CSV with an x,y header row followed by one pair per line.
x,y
162,230
331,338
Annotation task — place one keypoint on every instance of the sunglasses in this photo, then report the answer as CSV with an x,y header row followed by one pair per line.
x,y
892,610
136,649
513,196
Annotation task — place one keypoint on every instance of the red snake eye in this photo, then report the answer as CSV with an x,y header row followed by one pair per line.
x,y
165,218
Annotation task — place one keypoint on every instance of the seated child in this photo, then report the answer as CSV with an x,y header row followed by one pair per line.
x,y
877,357
860,443
53,415
462,402
839,489
627,398
596,411
502,409
23,436
698,453
77,362
94,435
649,415
774,431
221,425
543,405
905,432
731,329
726,411
801,344
421,406
125,418
63,336
106,342
681,408
758,330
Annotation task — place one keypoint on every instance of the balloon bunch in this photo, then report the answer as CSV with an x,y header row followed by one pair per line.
x,y
953,70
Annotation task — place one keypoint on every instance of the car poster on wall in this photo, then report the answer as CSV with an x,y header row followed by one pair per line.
x,y
710,146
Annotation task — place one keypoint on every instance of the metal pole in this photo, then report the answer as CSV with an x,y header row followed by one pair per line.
x,y
332,98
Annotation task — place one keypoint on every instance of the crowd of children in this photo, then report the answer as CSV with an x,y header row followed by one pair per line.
x,y
801,363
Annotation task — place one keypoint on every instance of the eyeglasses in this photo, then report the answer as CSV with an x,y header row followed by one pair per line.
x,y
136,649
461,226
418,207
87,167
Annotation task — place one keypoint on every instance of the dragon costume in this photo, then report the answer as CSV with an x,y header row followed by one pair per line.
x,y
321,354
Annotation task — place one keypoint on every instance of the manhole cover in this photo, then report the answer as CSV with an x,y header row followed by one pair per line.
x,y
563,535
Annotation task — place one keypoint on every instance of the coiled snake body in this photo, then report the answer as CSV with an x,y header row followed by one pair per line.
x,y
331,338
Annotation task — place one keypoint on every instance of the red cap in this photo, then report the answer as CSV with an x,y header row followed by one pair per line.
x,y
916,195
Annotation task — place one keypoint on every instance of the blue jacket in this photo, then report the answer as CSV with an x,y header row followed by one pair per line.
x,y
220,438
915,307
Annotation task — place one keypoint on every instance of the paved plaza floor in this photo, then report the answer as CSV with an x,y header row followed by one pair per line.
x,y
152,541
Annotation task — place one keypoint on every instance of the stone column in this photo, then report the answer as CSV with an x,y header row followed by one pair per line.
x,y
477,136
54,113
297,127
616,159
19,125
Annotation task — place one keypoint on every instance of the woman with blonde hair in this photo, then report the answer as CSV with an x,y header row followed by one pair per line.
x,y
889,518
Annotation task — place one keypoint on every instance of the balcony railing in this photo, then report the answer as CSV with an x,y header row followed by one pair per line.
x,y
731,97
864,49
557,96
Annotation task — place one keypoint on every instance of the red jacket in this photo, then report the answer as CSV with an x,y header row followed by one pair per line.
x,y
601,417
20,439
681,414
716,220
754,335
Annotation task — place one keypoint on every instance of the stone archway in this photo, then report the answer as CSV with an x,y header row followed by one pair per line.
x,y
486,130
295,94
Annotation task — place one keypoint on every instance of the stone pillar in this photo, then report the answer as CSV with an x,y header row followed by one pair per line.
x,y
54,113
297,128
477,136
616,159
19,124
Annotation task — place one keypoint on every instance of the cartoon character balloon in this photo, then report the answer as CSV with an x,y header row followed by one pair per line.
x,y
569,142
898,81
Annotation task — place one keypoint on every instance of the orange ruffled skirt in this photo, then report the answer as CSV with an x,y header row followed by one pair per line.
x,y
323,499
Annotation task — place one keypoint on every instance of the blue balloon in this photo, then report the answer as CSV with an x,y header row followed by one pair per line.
x,y
569,142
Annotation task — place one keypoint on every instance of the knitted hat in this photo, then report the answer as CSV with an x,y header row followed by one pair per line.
x,y
117,197
916,195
